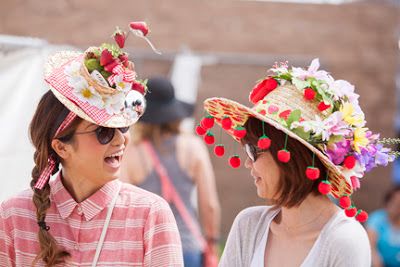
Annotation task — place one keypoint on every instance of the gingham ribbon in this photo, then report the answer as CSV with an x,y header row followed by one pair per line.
x,y
128,75
46,173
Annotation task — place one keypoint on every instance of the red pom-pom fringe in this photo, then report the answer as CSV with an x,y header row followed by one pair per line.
x,y
219,150
234,161
200,130
283,155
207,122
345,202
312,173
324,187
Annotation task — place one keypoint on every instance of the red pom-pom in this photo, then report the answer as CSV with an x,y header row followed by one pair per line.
x,y
345,202
239,132
324,187
309,93
207,122
234,161
349,162
312,173
262,89
362,216
351,211
322,106
283,155
219,150
209,138
264,142
200,130
226,123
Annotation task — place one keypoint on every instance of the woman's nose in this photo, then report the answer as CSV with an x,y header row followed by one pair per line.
x,y
120,138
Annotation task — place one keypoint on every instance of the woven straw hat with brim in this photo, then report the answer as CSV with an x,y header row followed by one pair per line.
x,y
99,85
323,114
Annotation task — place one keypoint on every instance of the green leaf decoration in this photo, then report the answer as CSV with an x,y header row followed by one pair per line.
x,y
294,116
93,64
114,49
300,84
300,132
285,76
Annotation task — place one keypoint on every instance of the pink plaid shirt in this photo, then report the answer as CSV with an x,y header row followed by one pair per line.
x,y
142,230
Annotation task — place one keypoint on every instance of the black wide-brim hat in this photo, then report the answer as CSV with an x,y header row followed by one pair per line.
x,y
162,106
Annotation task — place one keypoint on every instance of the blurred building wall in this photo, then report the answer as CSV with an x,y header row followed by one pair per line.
x,y
356,42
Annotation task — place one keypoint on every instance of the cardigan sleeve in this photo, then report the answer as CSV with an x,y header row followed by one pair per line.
x,y
162,244
245,233
349,246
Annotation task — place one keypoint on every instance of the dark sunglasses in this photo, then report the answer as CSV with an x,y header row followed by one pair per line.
x,y
252,151
104,134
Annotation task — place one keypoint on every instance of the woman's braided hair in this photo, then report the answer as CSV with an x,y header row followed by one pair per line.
x,y
49,115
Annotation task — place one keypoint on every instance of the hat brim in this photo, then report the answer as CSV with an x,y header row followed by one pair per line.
x,y
167,112
239,114
96,116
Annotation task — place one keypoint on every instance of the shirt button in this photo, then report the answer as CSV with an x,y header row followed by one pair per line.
x,y
76,246
79,210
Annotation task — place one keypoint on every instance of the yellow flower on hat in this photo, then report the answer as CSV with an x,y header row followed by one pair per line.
x,y
360,139
350,116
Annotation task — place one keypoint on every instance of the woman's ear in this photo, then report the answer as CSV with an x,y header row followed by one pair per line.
x,y
62,149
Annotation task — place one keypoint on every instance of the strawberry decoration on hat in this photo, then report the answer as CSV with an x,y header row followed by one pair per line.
x,y
219,150
200,130
209,138
234,161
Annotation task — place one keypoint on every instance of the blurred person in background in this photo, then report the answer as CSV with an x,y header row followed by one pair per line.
x,y
173,164
305,138
86,216
383,228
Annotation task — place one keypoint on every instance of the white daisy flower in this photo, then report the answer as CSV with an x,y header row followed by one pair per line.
x,y
121,85
87,94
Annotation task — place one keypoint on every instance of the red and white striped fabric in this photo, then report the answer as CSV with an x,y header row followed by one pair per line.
x,y
58,80
142,230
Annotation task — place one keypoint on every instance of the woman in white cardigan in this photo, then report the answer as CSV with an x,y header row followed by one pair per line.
x,y
305,138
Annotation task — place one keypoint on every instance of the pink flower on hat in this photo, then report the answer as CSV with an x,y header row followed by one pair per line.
x,y
312,71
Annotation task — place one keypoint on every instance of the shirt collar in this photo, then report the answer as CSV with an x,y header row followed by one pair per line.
x,y
91,206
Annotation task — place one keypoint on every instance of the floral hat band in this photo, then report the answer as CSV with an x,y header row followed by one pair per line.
x,y
322,113
99,85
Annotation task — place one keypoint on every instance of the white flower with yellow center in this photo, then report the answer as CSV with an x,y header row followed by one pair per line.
x,y
87,94
121,85
73,72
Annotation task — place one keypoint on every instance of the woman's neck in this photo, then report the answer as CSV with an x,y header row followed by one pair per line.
x,y
312,213
78,186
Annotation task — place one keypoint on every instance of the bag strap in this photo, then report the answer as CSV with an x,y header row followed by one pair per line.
x,y
170,194
105,227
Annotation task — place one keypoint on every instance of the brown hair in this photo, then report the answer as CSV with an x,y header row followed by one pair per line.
x,y
154,132
293,186
49,115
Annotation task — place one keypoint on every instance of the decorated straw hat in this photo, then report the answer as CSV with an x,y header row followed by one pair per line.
x,y
99,85
322,113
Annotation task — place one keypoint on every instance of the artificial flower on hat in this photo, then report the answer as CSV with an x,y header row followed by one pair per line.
x,y
101,85
322,113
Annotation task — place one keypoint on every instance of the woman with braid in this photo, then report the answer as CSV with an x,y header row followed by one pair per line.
x,y
85,216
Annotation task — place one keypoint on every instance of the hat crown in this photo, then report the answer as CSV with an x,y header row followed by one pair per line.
x,y
288,97
160,89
